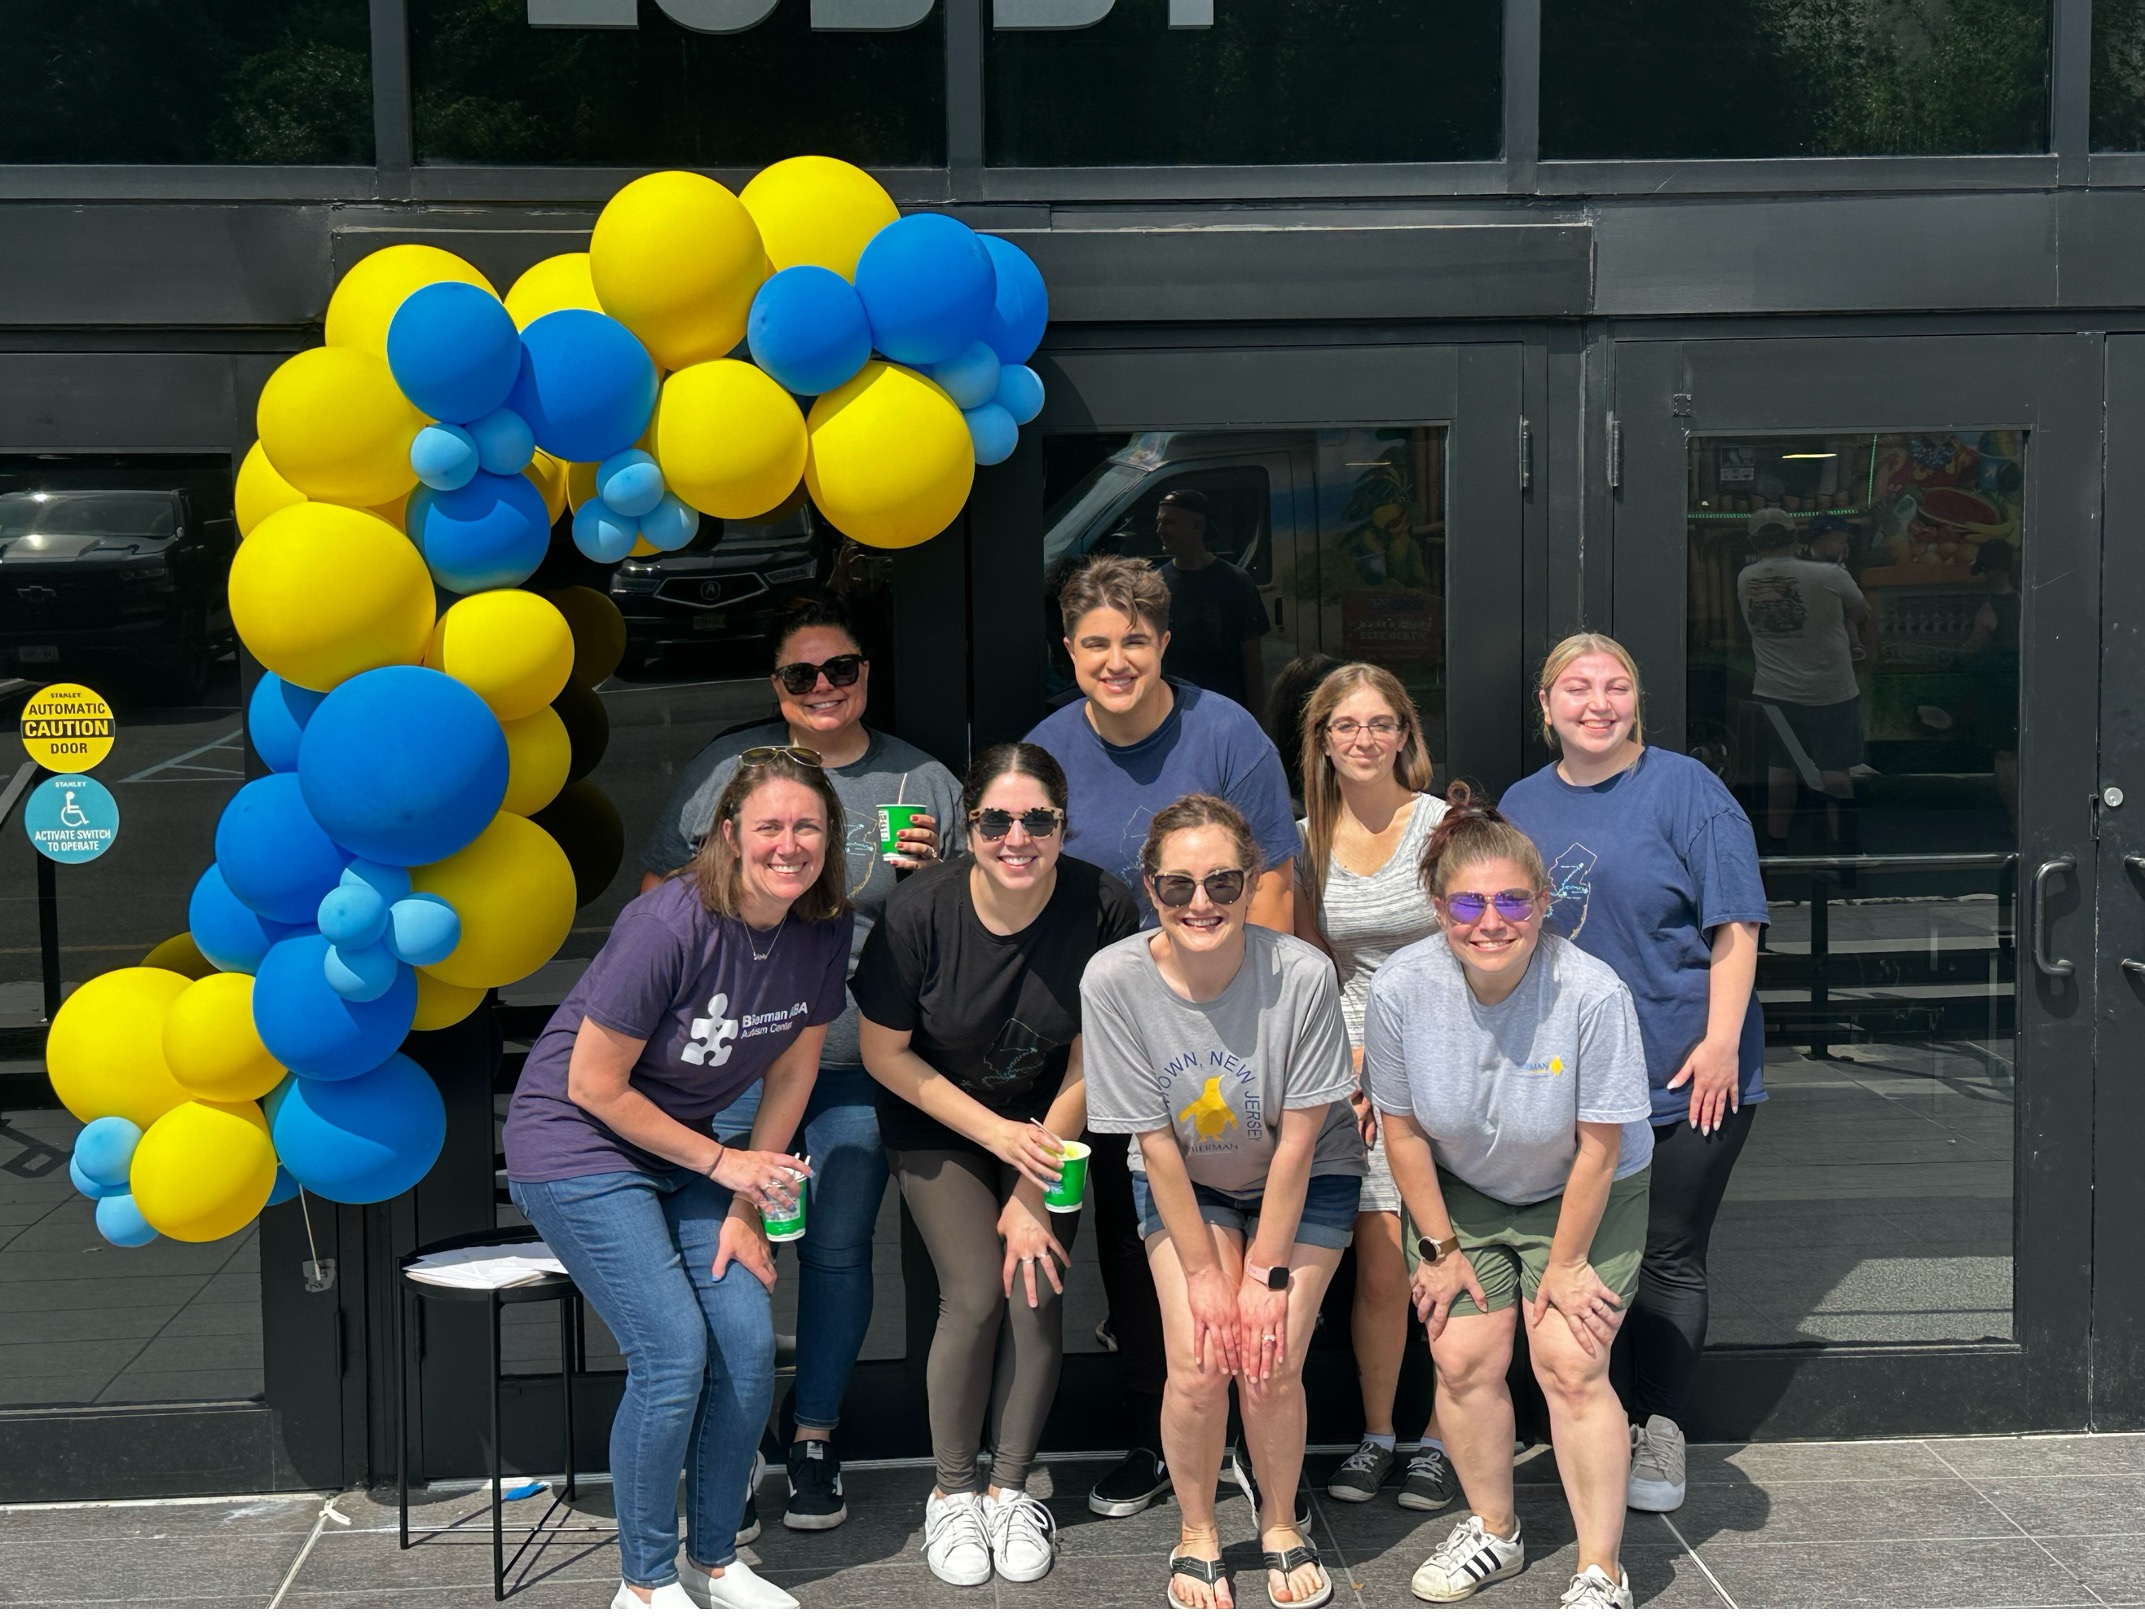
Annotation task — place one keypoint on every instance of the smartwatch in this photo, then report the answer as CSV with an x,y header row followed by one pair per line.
x,y
1276,1275
1434,1251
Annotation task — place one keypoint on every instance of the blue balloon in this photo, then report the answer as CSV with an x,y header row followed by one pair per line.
x,y
454,350
352,916
587,387
404,765
95,1189
630,482
360,974
364,1140
672,525
443,456
995,433
423,929
1021,307
928,288
120,1222
104,1150
284,1188
274,1098
230,936
489,534
275,856
971,376
313,1030
601,534
389,881
1020,391
275,718
505,444
808,329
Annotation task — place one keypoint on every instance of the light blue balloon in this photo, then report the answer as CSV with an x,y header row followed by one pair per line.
x,y
120,1222
95,1189
275,719
105,1149
993,431
808,329
389,881
1020,392
352,917
361,975
505,445
601,534
423,929
630,482
971,376
443,456
454,350
672,525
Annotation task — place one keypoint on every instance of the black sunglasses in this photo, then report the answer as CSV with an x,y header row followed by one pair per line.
x,y
796,755
1175,890
995,825
841,672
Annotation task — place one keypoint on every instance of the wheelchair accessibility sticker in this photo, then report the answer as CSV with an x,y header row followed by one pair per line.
x,y
71,819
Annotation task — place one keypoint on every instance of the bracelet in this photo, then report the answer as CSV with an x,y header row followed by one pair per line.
x,y
721,1151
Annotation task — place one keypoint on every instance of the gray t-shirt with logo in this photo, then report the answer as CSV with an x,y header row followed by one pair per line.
x,y
1220,1072
1501,1089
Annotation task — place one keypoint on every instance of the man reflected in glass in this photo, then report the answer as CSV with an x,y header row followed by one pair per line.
x,y
1216,618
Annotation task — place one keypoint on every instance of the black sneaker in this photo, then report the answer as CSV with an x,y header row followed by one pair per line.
x,y
1359,1477
1428,1484
1240,1469
748,1526
1134,1483
815,1487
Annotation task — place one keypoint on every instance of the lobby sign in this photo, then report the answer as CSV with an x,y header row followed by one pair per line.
x,y
842,16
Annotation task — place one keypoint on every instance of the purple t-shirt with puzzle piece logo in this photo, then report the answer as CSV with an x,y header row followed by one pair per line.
x,y
715,1018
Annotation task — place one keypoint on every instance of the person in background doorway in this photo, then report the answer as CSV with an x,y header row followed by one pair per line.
x,y
1369,814
1286,700
1825,538
1992,652
821,683
1653,870
1135,743
1217,621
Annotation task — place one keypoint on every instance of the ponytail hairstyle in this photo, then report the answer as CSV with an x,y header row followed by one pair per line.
x,y
1322,788
1568,651
1189,814
716,871
1470,833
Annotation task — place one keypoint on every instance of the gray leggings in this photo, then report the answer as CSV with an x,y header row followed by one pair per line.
x,y
987,1352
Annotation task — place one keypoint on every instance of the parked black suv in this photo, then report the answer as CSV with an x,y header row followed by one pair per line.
x,y
723,590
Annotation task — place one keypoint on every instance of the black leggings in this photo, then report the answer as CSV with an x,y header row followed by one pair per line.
x,y
1665,1330
1135,1312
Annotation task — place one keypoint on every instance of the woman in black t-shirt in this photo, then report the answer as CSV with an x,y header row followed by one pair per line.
x,y
968,1000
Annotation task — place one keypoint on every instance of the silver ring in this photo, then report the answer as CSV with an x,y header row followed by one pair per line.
x,y
1268,1337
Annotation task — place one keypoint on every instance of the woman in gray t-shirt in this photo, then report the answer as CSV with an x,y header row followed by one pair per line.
x,y
1219,1047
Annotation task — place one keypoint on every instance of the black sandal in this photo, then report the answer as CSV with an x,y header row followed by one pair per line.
x,y
1211,1573
1287,1561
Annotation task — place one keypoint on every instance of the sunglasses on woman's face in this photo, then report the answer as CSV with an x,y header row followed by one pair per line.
x,y
799,678
1175,890
796,755
995,825
1513,904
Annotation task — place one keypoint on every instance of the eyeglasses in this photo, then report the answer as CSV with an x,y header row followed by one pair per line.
x,y
1175,890
796,755
995,825
1376,729
841,672
1513,904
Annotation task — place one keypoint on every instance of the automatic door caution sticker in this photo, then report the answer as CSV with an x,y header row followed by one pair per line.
x,y
67,728
71,819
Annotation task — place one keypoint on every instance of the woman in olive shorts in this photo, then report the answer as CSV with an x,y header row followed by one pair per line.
x,y
1508,1069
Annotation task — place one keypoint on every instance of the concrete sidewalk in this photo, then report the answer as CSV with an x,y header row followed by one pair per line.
x,y
2050,1521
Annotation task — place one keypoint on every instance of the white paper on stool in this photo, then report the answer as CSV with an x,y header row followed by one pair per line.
x,y
487,1268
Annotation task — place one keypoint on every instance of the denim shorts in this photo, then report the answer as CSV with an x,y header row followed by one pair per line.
x,y
1329,1209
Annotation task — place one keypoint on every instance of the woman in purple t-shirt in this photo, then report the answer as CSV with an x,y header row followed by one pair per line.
x,y
724,976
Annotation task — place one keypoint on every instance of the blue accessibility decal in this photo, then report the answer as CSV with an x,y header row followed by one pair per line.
x,y
71,819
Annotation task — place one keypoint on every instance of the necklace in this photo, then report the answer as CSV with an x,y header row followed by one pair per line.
x,y
762,954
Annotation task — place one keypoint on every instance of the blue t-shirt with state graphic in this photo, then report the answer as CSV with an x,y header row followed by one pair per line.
x,y
1642,868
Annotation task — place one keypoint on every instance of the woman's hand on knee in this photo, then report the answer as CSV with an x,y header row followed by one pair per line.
x,y
1214,1323
1029,1246
1436,1285
743,1241
1590,1308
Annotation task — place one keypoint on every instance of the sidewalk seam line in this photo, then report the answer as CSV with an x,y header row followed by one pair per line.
x,y
2007,1516
320,1523
1719,1588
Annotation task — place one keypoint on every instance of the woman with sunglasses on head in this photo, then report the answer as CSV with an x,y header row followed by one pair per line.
x,y
969,998
822,683
1507,1068
720,980
1368,812
1218,1046
1656,873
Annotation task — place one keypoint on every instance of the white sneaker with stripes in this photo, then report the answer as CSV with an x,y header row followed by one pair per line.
x,y
1470,1557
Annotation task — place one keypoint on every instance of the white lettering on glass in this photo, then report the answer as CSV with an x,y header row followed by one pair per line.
x,y
843,16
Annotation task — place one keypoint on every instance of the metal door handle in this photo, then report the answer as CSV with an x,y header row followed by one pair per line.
x,y
2134,863
2048,867
2136,968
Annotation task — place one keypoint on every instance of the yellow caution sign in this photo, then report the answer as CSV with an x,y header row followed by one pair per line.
x,y
68,728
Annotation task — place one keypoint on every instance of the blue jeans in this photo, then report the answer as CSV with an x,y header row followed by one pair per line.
x,y
1330,1204
700,1354
834,1293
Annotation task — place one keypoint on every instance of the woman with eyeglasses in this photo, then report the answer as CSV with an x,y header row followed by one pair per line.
x,y
822,683
1368,811
1219,1047
1507,1067
969,1003
719,981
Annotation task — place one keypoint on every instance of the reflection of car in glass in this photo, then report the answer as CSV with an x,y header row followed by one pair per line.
x,y
725,588
94,581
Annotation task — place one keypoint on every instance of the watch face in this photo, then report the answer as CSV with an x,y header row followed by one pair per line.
x,y
1277,1278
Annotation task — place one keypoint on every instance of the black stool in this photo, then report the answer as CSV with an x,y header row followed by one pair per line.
x,y
544,1288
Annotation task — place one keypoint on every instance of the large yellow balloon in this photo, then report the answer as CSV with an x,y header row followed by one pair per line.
x,y
513,889
441,1004
537,758
204,1169
677,258
581,481
549,476
364,302
730,440
511,647
181,954
105,1053
336,427
892,461
599,631
561,282
210,1043
320,592
260,491
817,210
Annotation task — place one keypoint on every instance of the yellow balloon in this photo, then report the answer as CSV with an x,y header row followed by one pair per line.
x,y
581,481
513,889
320,592
260,491
365,300
511,647
442,1004
676,258
336,427
817,210
204,1169
210,1043
549,476
395,513
730,440
561,282
179,953
892,461
645,547
537,758
599,632
105,1053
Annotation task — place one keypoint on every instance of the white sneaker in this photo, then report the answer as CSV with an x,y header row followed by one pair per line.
x,y
1656,1465
957,1539
1023,1535
669,1597
1591,1590
1470,1557
738,1589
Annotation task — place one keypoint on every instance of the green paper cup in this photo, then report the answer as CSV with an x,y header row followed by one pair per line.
x,y
791,1228
895,818
1071,1192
